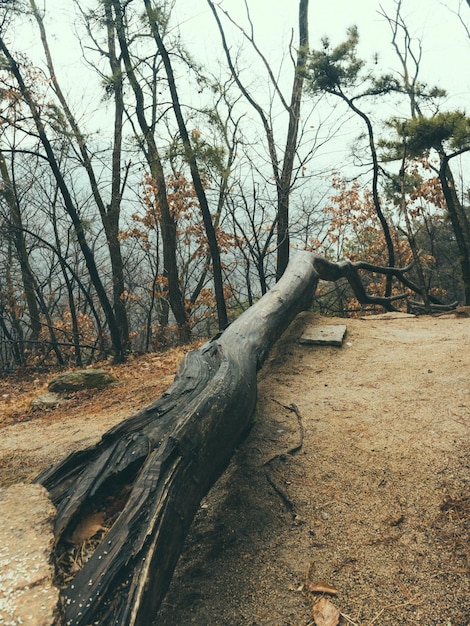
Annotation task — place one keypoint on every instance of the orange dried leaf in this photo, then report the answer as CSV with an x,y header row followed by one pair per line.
x,y
325,613
318,586
88,527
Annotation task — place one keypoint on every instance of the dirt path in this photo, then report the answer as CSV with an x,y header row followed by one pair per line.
x,y
379,491
376,502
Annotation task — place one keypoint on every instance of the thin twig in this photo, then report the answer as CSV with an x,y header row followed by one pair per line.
x,y
296,448
293,407
280,492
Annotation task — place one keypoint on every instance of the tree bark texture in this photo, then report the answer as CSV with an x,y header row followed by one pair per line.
x,y
160,462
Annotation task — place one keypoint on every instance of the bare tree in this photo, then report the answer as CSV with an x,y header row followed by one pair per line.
x,y
282,169
193,166
109,211
152,156
16,227
446,133
14,69
337,71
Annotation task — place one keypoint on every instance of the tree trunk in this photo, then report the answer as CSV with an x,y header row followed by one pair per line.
x,y
195,174
459,221
165,458
69,204
149,473
110,214
29,283
149,145
375,187
285,181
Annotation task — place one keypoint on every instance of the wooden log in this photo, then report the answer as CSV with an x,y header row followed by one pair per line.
x,y
159,463
149,473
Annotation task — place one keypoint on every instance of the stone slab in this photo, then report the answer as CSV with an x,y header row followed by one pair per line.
x,y
331,335
27,593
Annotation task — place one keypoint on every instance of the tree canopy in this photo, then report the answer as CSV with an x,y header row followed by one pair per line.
x,y
150,192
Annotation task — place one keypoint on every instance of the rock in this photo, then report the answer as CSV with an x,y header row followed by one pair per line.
x,y
331,335
81,379
46,401
27,593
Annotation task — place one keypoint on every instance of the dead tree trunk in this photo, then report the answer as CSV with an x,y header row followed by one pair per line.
x,y
160,462
149,473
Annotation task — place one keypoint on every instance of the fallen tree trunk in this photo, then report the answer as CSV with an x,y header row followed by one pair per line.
x,y
160,462
148,474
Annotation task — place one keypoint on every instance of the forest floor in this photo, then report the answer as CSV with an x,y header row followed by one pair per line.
x,y
354,479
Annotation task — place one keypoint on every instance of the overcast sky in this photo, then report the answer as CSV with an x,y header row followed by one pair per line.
x,y
446,46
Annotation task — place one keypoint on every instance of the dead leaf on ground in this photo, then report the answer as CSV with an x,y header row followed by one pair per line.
x,y
325,613
318,586
88,527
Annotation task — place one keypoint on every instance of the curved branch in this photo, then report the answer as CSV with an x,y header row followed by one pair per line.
x,y
267,128
327,270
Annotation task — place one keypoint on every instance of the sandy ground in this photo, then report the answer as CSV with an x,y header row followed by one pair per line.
x,y
356,474
375,503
